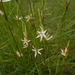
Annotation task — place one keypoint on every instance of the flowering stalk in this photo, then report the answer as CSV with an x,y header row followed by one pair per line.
x,y
25,41
67,5
64,52
37,51
40,19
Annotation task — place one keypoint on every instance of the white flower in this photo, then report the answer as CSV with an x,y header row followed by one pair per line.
x,y
48,37
36,50
25,42
18,54
64,52
1,13
28,17
42,34
18,18
5,0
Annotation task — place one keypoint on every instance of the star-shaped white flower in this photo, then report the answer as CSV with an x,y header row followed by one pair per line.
x,y
19,54
28,17
36,51
1,13
42,34
25,42
64,52
5,0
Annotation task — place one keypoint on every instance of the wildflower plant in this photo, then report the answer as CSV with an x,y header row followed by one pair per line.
x,y
25,40
64,52
37,37
36,51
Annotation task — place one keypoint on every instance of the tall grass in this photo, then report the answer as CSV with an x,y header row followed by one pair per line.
x,y
23,52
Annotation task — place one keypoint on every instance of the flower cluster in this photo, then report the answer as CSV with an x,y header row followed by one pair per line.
x,y
25,42
28,17
42,34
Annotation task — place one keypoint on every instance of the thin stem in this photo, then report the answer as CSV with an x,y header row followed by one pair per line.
x,y
7,21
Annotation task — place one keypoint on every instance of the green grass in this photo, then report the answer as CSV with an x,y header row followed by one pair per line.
x,y
52,16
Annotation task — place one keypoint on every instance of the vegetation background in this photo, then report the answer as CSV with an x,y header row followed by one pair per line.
x,y
58,18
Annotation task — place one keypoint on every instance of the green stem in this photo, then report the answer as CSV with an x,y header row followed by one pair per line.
x,y
40,19
43,3
39,66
